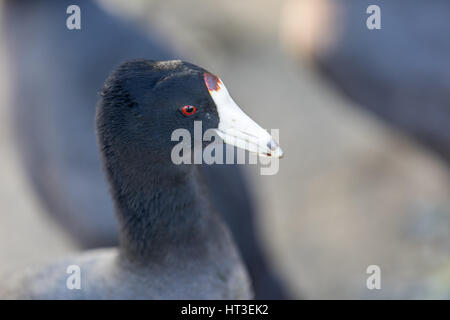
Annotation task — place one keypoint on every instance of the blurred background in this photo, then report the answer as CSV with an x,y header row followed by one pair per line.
x,y
364,123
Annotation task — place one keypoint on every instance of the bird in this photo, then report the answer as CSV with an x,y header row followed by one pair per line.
x,y
55,134
173,244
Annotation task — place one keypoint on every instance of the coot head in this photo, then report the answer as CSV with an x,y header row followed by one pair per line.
x,y
144,101
160,204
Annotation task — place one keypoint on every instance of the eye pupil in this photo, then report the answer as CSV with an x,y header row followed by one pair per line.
x,y
188,110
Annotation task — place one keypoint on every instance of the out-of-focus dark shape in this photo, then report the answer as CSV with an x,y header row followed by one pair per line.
x,y
399,72
56,76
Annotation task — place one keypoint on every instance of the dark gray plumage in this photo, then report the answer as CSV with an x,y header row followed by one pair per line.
x,y
105,275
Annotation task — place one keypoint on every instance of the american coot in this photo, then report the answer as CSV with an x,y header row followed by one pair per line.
x,y
172,243
53,117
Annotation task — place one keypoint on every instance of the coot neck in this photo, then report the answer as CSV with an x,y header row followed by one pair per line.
x,y
160,206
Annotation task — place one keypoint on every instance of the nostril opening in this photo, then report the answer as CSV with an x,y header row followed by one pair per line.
x,y
272,145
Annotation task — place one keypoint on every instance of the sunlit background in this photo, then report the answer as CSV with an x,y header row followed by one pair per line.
x,y
352,190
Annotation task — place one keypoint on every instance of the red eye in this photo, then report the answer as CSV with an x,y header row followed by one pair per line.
x,y
188,110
